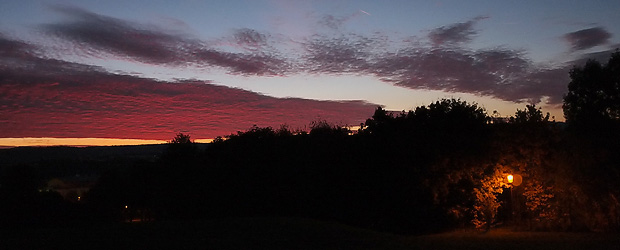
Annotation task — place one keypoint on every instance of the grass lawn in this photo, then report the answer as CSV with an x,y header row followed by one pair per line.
x,y
282,233
235,233
508,240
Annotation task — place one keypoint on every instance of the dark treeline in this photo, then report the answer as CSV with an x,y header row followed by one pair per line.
x,y
438,167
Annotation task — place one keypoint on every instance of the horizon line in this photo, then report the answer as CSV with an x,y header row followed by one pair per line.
x,y
80,142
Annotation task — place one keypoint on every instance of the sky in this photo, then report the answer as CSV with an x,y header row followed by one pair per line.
x,y
85,72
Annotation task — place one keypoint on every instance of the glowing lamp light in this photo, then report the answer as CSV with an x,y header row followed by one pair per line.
x,y
125,206
515,180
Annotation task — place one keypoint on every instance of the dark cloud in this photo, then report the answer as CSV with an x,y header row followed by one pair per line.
x,y
500,73
335,55
238,63
95,34
22,63
42,97
456,33
336,22
250,38
333,22
10,48
587,38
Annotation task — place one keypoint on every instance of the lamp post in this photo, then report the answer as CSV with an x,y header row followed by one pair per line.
x,y
510,181
513,181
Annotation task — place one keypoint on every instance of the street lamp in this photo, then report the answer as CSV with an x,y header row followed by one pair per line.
x,y
510,181
514,181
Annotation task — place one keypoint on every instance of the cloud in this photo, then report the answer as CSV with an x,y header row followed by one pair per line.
x,y
332,21
456,33
337,55
10,48
600,56
96,34
126,107
335,23
237,63
587,38
250,38
43,97
445,64
21,62
500,73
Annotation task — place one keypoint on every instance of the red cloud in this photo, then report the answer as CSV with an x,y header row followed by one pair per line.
x,y
52,98
127,107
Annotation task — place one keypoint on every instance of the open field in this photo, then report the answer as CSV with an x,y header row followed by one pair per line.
x,y
284,233
509,240
242,233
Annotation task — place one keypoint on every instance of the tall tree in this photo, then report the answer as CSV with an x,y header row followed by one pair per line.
x,y
594,93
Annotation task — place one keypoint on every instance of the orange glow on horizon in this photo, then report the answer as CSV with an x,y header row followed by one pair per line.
x,y
80,142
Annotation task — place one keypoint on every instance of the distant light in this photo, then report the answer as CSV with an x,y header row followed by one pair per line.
x,y
125,206
79,198
510,178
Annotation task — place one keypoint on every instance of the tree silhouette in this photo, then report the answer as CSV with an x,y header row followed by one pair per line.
x,y
594,93
323,128
181,151
530,114
181,138
592,111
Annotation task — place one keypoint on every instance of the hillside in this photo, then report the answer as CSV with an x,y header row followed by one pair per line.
x,y
63,161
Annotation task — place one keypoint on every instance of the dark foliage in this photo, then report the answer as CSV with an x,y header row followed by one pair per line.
x,y
593,98
25,205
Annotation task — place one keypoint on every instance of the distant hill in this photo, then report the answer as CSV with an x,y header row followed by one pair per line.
x,y
62,161
33,155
